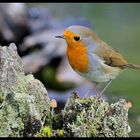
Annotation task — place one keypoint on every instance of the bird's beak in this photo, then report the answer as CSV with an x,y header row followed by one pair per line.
x,y
61,36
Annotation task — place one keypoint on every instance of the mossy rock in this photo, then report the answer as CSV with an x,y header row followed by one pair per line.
x,y
24,101
93,117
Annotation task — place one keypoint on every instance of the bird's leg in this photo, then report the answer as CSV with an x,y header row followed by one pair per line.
x,y
101,93
92,89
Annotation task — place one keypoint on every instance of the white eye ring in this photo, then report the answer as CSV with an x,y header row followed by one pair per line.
x,y
77,38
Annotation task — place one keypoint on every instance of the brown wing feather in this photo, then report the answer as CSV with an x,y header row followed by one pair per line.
x,y
111,57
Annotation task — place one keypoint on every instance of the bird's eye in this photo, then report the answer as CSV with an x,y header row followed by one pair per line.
x,y
77,38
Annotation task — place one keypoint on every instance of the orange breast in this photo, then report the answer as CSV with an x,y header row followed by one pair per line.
x,y
78,58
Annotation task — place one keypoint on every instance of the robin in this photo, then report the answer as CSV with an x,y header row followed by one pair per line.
x,y
91,57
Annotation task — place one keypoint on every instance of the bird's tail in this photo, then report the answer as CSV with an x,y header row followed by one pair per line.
x,y
132,66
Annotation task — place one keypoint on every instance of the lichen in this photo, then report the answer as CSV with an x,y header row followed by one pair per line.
x,y
24,101
93,117
60,133
45,132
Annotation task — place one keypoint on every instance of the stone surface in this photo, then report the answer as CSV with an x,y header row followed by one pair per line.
x,y
24,101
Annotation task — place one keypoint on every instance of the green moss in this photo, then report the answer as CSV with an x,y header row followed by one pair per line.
x,y
45,132
60,133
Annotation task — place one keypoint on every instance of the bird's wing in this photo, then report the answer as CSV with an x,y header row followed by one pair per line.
x,y
110,56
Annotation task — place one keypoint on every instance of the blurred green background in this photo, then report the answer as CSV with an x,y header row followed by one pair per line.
x,y
117,24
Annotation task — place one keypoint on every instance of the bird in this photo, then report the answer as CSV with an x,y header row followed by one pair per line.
x,y
91,57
